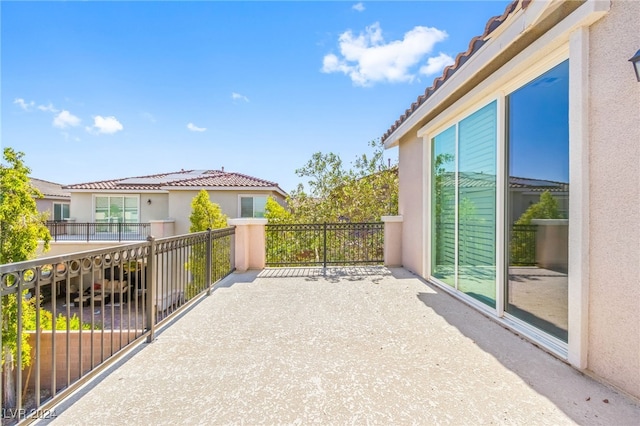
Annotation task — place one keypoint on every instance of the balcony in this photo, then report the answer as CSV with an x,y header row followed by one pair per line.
x,y
112,231
311,344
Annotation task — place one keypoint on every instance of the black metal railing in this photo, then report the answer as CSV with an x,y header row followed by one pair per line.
x,y
71,231
324,244
522,247
65,318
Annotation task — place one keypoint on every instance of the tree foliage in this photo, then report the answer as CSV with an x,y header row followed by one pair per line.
x,y
523,242
362,193
205,214
21,227
275,213
546,208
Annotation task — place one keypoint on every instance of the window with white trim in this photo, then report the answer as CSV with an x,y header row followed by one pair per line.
x,y
60,211
116,209
252,206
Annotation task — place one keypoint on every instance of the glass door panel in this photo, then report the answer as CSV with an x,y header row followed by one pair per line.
x,y
538,202
477,205
443,204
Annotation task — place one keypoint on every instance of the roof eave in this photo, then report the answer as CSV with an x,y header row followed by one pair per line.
x,y
512,29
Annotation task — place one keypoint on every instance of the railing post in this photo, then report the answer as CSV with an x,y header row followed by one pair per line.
x,y
119,231
88,225
151,289
208,271
324,243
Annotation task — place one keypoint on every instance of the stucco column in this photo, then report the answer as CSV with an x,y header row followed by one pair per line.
x,y
392,240
162,228
249,243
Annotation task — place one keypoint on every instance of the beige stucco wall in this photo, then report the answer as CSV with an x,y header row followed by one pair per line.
x,y
411,194
614,311
180,205
82,206
45,205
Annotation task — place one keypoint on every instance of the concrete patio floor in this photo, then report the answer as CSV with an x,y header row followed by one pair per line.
x,y
357,346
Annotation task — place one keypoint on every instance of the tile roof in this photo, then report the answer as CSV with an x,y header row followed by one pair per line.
x,y
474,45
49,189
181,179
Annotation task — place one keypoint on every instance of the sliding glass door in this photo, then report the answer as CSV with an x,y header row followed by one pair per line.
x,y
538,202
463,202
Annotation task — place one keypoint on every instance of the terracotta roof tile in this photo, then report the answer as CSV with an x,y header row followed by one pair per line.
x,y
181,179
474,45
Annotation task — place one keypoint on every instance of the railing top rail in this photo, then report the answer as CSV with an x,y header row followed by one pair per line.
x,y
33,263
221,232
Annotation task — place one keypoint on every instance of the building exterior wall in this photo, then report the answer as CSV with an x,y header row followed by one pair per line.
x,y
157,210
180,204
614,117
410,203
82,207
611,238
45,205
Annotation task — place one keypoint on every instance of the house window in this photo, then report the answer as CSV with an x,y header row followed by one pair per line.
x,y
116,209
60,211
538,202
252,206
463,200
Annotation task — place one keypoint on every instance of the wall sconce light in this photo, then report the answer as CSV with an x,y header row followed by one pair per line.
x,y
149,201
635,60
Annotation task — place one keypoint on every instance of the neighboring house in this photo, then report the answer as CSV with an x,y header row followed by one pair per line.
x,y
55,201
544,101
168,196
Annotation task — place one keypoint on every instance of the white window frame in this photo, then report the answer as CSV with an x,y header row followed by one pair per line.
x,y
136,196
253,196
62,210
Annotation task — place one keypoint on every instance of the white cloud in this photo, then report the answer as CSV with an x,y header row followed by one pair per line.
x,y
436,64
358,6
195,128
23,104
47,108
65,119
367,59
105,125
238,97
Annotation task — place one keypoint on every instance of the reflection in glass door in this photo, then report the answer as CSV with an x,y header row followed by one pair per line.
x,y
538,202
463,203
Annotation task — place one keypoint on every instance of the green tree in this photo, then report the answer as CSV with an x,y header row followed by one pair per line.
x,y
364,192
522,251
21,227
276,213
204,215
546,208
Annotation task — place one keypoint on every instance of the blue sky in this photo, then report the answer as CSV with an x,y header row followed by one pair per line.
x,y
102,90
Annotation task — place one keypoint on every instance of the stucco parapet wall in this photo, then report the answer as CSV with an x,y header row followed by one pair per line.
x,y
246,221
391,219
162,221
